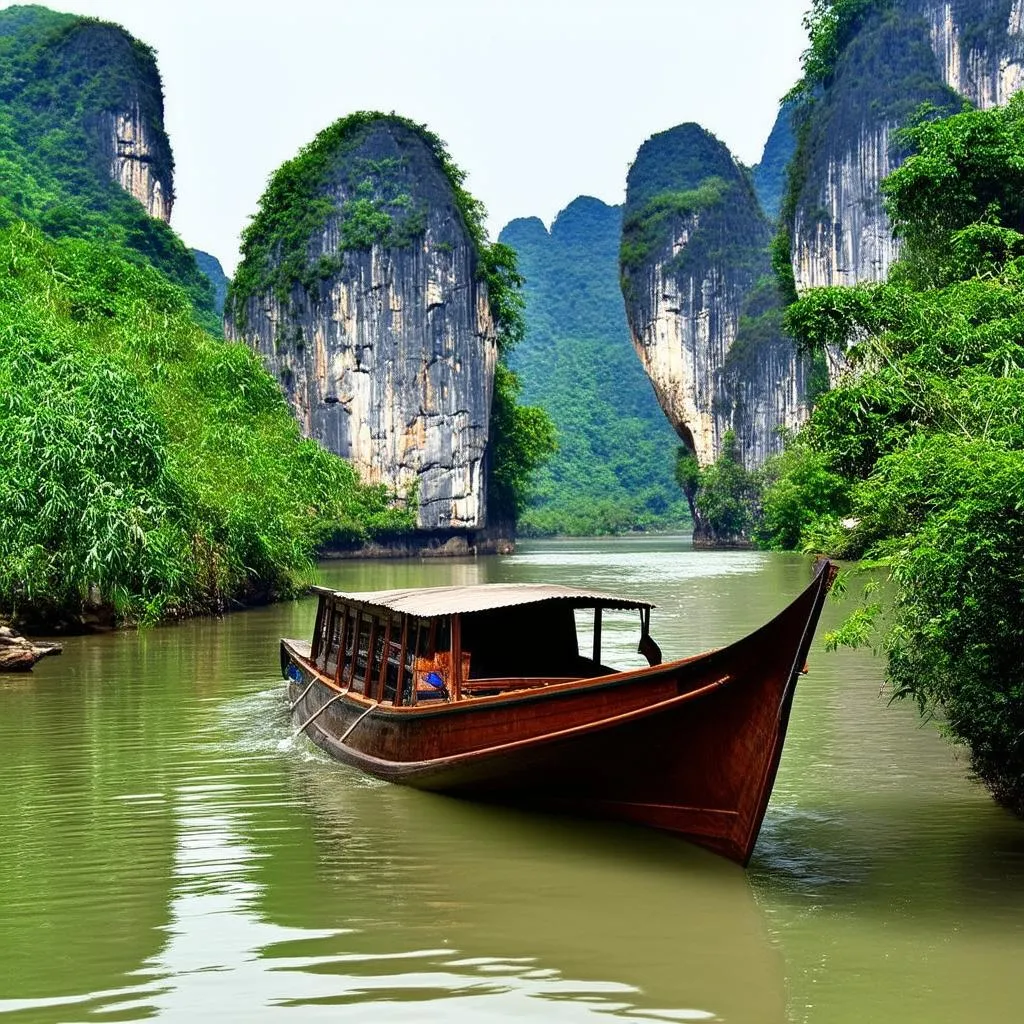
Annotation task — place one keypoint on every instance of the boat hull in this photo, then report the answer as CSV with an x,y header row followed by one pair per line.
x,y
690,747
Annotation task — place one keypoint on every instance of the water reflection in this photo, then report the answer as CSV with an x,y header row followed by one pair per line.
x,y
595,918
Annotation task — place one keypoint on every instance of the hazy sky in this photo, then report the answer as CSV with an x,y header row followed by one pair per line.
x,y
539,100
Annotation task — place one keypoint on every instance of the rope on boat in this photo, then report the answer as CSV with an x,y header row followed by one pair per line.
x,y
316,714
348,731
302,696
323,707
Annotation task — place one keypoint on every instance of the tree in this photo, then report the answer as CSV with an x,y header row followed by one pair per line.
x,y
923,444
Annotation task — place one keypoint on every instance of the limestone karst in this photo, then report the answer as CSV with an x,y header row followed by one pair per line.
x,y
701,300
372,313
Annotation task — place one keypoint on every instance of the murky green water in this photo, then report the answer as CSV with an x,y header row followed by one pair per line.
x,y
168,851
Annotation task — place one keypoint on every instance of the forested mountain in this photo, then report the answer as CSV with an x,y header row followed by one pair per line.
x,y
770,173
83,152
614,467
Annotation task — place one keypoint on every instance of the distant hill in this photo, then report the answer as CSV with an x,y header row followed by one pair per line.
x,y
614,468
770,174
211,267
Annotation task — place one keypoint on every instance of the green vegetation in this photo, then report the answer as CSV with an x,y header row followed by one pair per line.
x,y
211,267
522,440
769,176
830,26
921,449
644,229
298,203
723,496
58,75
610,473
146,465
685,177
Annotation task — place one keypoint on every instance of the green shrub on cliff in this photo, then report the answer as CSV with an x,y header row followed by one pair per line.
x,y
645,229
723,496
522,440
144,464
830,25
922,445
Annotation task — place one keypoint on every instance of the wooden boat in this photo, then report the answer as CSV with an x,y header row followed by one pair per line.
x,y
482,691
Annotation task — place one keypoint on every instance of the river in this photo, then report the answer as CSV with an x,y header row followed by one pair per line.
x,y
168,850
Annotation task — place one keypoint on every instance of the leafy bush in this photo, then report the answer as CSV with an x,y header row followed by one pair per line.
x,y
800,492
955,642
522,439
144,464
723,496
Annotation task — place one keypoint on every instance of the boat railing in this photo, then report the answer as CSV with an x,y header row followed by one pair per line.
x,y
476,687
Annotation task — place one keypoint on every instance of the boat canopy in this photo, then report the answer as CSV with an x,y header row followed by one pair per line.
x,y
435,602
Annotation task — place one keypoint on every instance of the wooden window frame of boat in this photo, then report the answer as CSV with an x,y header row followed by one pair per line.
x,y
318,641
354,681
368,674
409,671
401,661
330,621
341,609
394,628
345,679
382,672
455,651
373,683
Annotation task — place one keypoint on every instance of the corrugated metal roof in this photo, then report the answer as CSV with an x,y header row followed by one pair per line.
x,y
431,602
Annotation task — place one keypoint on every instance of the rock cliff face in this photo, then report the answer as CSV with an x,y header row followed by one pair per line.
x,y
979,45
131,147
700,300
377,324
904,53
123,110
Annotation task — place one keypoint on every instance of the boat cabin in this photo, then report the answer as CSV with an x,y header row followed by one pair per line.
x,y
407,647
